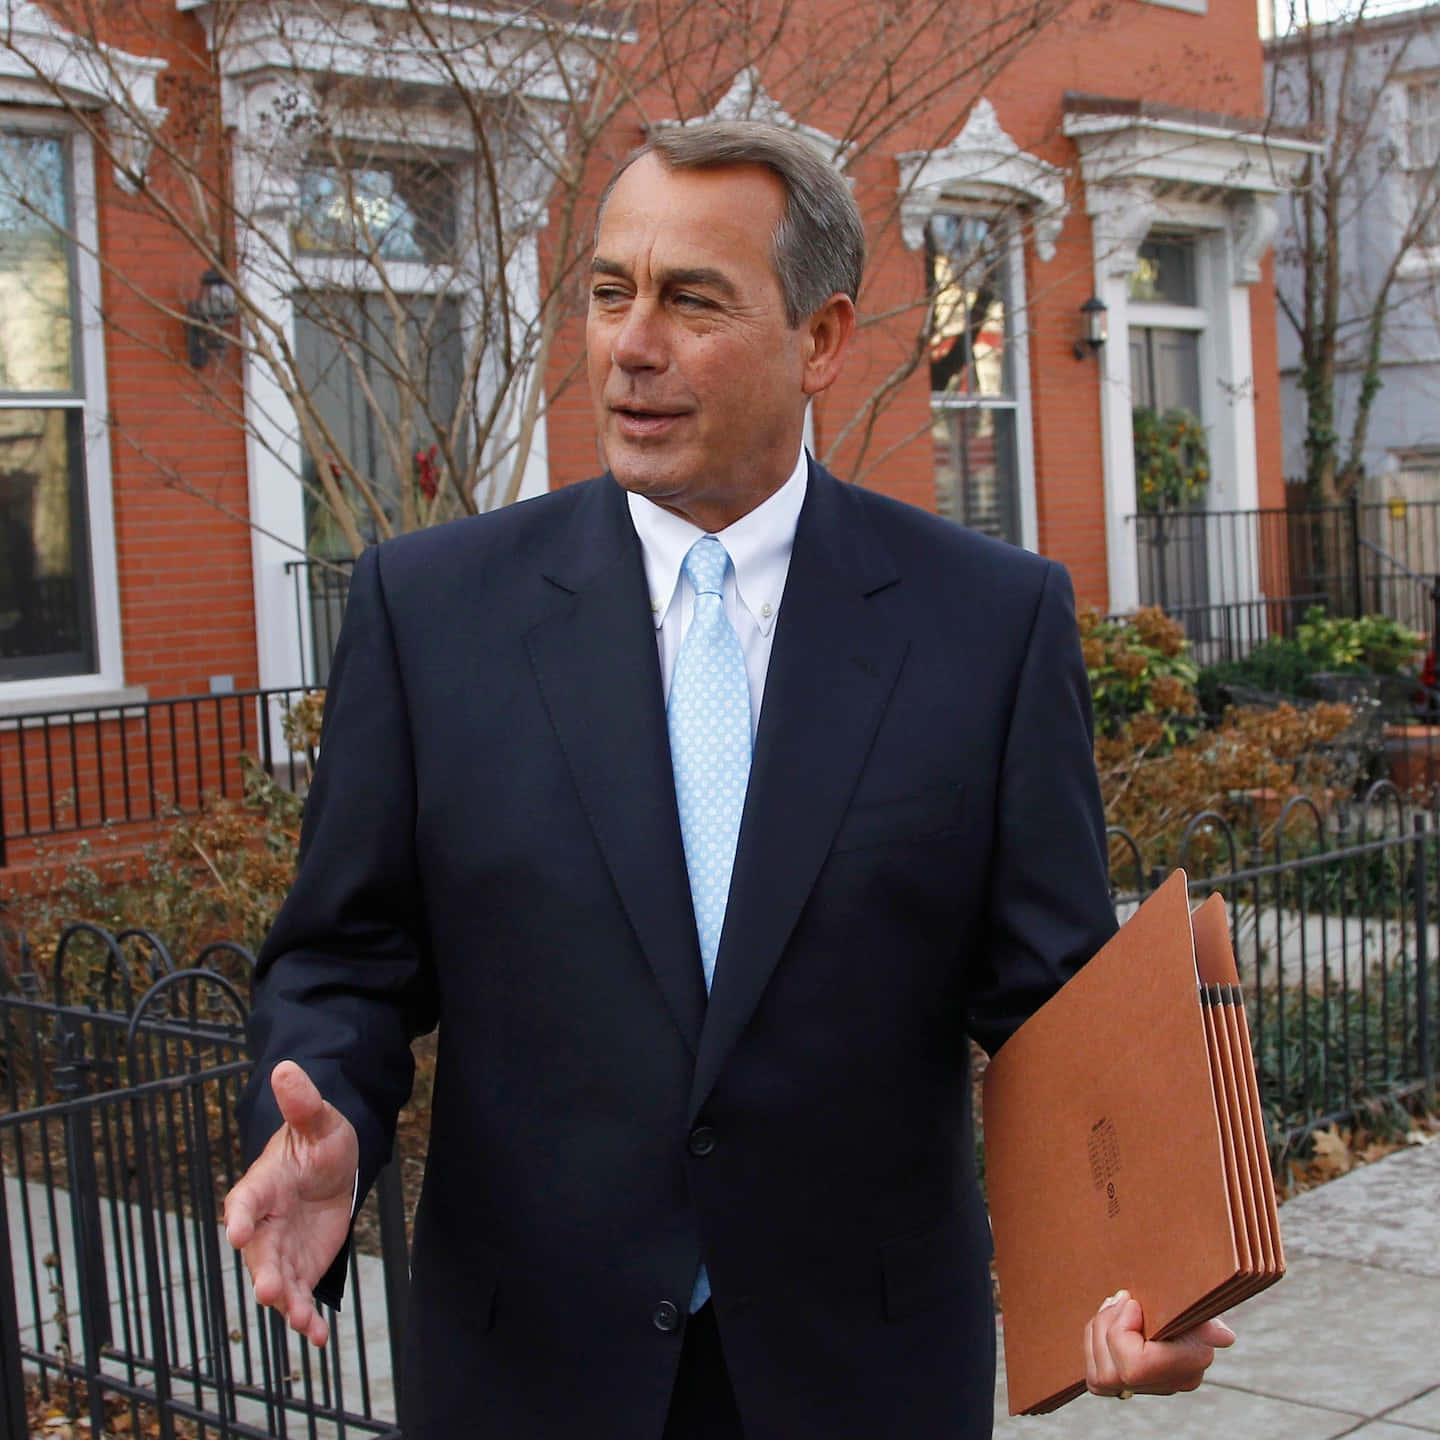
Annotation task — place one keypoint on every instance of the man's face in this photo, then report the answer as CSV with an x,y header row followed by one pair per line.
x,y
698,382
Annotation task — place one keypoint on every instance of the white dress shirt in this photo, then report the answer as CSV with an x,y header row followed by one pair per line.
x,y
759,546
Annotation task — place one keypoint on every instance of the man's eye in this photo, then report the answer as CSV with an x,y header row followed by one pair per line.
x,y
691,302
606,294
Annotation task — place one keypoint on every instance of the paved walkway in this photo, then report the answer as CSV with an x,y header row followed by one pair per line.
x,y
1348,1343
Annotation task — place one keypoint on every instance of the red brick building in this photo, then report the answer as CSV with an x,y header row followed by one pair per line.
x,y
276,279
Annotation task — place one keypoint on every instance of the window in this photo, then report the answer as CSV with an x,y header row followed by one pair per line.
x,y
1164,272
972,381
387,209
1423,156
47,620
361,381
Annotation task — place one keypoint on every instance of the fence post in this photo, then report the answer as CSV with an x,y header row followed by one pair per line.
x,y
12,1382
71,1083
1430,697
1425,1055
1357,585
394,1254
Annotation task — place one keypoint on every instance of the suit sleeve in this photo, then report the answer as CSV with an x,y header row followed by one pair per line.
x,y
1050,907
344,979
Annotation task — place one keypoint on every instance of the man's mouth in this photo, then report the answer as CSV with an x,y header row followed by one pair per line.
x,y
644,420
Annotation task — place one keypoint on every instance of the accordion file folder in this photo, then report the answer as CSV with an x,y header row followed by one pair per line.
x,y
1124,1148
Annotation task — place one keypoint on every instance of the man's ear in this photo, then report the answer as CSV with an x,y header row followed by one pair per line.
x,y
828,333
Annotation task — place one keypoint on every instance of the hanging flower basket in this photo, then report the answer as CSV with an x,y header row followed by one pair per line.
x,y
1172,460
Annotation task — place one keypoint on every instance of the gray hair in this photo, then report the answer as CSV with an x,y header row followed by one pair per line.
x,y
819,243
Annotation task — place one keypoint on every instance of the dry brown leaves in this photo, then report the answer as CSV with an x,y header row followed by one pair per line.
x,y
1338,1149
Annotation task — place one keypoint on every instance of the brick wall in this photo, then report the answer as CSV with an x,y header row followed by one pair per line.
x,y
1123,48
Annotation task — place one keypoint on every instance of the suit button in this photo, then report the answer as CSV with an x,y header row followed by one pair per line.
x,y
702,1140
666,1317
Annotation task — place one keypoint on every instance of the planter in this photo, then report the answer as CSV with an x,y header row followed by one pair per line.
x,y
1412,759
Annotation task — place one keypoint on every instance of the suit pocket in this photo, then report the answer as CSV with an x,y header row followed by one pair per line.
x,y
461,1286
928,1268
921,816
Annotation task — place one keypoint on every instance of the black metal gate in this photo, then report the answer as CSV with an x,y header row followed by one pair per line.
x,y
120,1299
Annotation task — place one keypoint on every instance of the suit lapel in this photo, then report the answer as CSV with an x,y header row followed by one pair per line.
x,y
596,663
836,655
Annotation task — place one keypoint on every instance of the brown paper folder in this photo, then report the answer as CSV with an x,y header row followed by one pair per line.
x,y
1124,1147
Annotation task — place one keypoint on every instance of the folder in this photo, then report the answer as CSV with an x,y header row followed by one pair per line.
x,y
1125,1148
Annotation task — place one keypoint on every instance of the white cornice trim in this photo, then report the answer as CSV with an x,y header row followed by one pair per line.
x,y
1174,151
380,42
470,15
41,62
982,163
748,99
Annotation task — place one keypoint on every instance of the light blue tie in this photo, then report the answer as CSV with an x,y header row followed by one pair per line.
x,y
709,720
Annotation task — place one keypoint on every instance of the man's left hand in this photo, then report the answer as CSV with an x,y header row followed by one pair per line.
x,y
1120,1361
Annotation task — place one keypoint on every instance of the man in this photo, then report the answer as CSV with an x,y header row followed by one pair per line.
x,y
652,1210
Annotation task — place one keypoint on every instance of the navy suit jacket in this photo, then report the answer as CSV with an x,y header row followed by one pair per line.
x,y
491,842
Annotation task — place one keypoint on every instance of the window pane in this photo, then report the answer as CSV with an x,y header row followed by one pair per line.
x,y
1424,98
970,306
390,210
46,626
383,396
1164,271
36,344
975,472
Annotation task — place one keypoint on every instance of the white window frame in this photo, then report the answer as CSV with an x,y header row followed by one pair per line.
x,y
983,171
1419,261
107,679
1017,342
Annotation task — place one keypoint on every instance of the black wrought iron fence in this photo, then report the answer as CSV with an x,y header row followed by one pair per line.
x,y
1234,577
85,768
120,1300
321,588
1333,918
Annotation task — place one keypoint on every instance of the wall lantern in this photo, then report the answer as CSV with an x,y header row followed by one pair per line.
x,y
209,316
1092,328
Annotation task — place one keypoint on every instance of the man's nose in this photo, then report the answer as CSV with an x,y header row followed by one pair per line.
x,y
639,342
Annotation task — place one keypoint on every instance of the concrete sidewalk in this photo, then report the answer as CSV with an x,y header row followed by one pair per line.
x,y
1348,1343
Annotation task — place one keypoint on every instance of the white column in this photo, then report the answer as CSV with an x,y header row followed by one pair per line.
x,y
266,193
1120,217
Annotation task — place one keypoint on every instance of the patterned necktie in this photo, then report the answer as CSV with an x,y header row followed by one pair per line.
x,y
709,721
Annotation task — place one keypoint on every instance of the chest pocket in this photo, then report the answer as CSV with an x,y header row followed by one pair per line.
x,y
925,815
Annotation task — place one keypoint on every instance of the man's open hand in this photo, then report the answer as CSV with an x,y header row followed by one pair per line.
x,y
1119,1360
289,1213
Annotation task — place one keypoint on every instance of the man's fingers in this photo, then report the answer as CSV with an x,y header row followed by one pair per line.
x,y
301,1105
1215,1333
1161,1367
250,1199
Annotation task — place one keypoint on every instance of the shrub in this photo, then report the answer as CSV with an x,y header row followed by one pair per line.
x,y
1139,666
1277,666
1153,789
220,874
1373,644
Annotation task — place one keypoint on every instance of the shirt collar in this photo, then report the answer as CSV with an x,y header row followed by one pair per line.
x,y
759,545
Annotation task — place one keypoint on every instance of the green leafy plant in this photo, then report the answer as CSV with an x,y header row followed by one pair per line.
x,y
1172,459
1277,666
1373,643
1140,666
